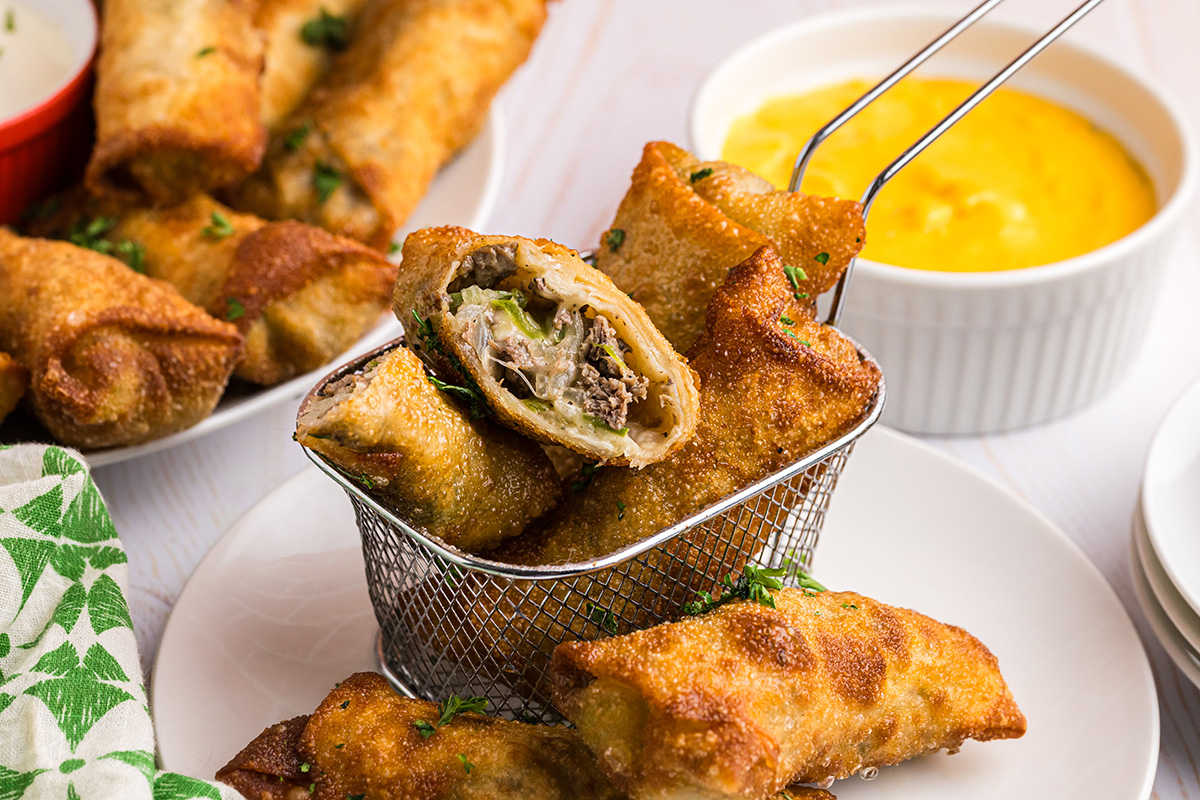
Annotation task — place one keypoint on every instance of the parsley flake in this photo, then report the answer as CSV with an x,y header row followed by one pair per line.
x,y
133,254
365,480
236,310
701,174
786,320
393,248
426,730
614,239
586,472
326,30
620,510
339,746
602,617
304,767
450,708
325,180
821,258
467,765
345,704
221,228
205,51
756,584
293,141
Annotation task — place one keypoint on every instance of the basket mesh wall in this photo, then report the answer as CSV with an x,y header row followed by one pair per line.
x,y
449,629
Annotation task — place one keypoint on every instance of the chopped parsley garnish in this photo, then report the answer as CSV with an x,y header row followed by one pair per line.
x,y
325,180
326,30
451,574
304,767
220,228
133,254
794,276
850,605
756,584
345,704
236,310
467,765
795,565
585,473
470,391
786,320
312,787
89,233
450,708
365,480
701,174
614,239
10,20
602,617
293,141
821,258
205,51
393,248
620,510
339,746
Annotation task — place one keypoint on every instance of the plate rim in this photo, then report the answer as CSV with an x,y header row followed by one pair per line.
x,y
494,137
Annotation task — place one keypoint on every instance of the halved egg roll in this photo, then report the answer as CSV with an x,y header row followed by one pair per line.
x,y
116,358
684,223
746,699
412,88
14,380
467,481
772,388
299,295
300,40
177,98
366,741
559,352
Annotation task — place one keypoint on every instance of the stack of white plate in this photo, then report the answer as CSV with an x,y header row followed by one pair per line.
x,y
1166,535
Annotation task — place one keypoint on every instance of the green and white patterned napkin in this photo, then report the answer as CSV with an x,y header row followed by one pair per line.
x,y
74,721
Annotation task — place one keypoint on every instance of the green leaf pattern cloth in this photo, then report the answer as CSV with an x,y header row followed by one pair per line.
x,y
74,721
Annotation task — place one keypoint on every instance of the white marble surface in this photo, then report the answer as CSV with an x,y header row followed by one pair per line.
x,y
605,78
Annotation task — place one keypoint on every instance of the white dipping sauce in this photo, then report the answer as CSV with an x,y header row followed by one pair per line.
x,y
35,57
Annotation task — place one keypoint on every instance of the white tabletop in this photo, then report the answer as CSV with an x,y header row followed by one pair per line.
x,y
605,78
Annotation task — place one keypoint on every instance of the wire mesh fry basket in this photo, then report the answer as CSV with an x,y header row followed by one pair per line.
x,y
454,622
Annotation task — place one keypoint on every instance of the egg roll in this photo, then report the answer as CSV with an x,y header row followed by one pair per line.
x,y
299,295
116,358
684,223
772,389
746,699
364,741
14,380
300,40
177,99
467,481
558,352
412,89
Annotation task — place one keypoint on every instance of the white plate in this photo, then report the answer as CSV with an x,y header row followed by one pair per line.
x,y
254,639
1171,494
1181,616
1172,641
464,193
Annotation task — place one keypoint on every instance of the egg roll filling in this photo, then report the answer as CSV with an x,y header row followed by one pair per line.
x,y
562,359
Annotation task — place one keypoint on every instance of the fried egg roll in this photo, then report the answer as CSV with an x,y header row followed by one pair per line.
x,y
772,389
14,380
746,699
412,88
301,38
177,98
364,741
299,295
684,223
115,358
467,481
558,351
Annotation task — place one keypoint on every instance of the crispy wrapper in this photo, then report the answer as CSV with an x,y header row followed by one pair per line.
x,y
746,699
115,358
14,380
469,482
177,98
769,394
299,295
684,223
440,264
412,89
363,741
291,65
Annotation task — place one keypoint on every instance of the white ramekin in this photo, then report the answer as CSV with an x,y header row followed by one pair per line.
x,y
983,352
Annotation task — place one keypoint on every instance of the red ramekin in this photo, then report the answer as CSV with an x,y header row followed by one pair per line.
x,y
46,146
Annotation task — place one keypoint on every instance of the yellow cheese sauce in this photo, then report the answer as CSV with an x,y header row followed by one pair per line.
x,y
1017,183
